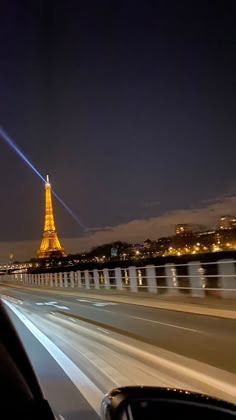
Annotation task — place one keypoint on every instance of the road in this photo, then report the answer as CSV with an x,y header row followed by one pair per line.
x,y
52,379
116,344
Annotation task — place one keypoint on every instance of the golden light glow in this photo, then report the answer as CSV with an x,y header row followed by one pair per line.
x,y
50,244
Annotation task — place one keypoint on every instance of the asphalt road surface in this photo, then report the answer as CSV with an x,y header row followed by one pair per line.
x,y
115,344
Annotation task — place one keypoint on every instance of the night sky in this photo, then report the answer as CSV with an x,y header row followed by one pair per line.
x,y
130,106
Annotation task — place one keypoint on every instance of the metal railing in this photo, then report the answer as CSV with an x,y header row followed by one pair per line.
x,y
193,279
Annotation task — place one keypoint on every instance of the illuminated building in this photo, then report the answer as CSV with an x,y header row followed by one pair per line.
x,y
227,222
207,238
163,245
183,229
233,223
50,245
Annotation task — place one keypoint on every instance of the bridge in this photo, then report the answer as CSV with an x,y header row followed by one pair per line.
x,y
93,330
196,279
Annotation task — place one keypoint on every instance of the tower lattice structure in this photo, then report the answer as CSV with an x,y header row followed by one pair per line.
x,y
50,245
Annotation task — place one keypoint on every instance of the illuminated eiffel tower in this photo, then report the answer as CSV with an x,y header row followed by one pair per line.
x,y
50,245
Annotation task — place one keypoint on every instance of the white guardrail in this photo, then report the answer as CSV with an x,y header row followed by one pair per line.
x,y
195,279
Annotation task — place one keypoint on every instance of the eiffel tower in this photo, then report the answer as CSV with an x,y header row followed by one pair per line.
x,y
50,245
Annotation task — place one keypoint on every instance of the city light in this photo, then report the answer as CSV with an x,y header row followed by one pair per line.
x,y
182,243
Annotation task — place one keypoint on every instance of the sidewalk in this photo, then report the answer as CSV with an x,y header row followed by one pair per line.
x,y
209,306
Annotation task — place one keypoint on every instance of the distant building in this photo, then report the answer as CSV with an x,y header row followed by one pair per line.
x,y
206,233
227,222
206,239
147,244
163,244
233,223
183,229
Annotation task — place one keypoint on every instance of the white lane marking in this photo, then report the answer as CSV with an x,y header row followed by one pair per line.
x,y
101,309
72,319
165,323
46,303
50,303
54,304
61,417
156,322
61,307
87,388
102,304
103,330
84,300
97,303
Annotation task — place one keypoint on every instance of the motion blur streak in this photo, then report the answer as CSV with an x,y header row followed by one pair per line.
x,y
80,380
116,360
16,149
